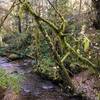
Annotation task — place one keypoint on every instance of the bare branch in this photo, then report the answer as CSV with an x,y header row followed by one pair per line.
x,y
5,17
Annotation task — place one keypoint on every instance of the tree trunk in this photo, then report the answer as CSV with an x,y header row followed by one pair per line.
x,y
19,25
67,83
96,5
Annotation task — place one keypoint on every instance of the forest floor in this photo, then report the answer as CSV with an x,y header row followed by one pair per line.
x,y
33,87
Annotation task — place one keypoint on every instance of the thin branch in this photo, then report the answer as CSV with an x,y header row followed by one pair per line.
x,y
5,17
62,27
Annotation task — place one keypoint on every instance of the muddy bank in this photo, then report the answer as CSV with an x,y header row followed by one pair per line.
x,y
88,84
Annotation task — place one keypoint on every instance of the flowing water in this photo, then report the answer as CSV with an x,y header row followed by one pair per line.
x,y
33,87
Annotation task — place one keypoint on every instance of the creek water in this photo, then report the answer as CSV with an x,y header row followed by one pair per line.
x,y
33,87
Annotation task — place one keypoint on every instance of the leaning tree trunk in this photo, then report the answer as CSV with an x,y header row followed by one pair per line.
x,y
96,5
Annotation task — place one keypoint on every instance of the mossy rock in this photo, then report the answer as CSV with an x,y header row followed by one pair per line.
x,y
13,56
97,84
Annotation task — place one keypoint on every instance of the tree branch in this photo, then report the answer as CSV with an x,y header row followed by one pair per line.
x,y
5,17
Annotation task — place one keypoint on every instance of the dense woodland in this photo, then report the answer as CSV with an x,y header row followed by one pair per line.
x,y
49,49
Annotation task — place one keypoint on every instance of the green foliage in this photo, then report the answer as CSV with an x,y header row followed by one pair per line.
x,y
44,49
2,51
48,68
12,81
22,40
47,65
20,43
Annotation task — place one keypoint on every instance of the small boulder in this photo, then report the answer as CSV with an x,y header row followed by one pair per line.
x,y
13,56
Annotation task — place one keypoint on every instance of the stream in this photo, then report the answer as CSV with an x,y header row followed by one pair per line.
x,y
34,87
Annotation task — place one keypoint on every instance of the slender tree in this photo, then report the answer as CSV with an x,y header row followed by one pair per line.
x,y
96,5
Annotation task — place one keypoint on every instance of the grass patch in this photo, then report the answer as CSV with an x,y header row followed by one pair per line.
x,y
7,80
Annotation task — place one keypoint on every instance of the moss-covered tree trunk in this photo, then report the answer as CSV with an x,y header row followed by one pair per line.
x,y
67,82
59,32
